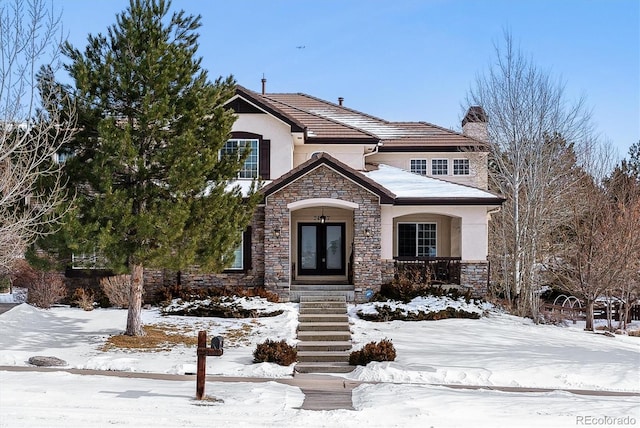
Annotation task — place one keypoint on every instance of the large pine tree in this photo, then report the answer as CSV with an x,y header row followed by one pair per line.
x,y
153,190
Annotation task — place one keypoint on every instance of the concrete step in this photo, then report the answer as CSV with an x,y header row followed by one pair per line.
x,y
318,346
332,336
322,303
323,356
323,326
324,368
336,310
323,317
317,296
321,288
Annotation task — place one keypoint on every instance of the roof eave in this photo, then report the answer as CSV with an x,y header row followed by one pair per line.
x,y
253,98
449,201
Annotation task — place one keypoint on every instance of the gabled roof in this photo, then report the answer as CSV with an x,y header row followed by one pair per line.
x,y
386,197
324,122
394,186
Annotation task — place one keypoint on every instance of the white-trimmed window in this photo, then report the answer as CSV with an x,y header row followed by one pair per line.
x,y
461,167
417,240
250,168
93,260
62,156
419,166
439,166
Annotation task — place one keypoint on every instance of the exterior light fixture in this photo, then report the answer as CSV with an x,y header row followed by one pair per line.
x,y
323,218
276,231
367,233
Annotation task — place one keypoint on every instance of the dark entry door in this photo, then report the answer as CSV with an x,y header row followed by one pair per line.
x,y
321,248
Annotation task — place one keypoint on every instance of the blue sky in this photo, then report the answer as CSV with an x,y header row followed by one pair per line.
x,y
411,60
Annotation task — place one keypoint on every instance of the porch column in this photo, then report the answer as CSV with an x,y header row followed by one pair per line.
x,y
367,249
277,241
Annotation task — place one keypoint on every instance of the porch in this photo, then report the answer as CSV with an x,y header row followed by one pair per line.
x,y
432,270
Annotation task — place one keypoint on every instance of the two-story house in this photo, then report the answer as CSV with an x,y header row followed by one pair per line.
x,y
348,196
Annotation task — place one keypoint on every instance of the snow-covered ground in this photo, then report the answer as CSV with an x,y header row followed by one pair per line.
x,y
496,350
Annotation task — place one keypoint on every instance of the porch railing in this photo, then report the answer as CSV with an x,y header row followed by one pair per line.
x,y
435,270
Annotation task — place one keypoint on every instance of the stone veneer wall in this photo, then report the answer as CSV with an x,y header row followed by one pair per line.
x,y
155,279
323,182
475,275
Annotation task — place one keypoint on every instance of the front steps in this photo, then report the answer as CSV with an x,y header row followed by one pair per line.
x,y
297,291
324,334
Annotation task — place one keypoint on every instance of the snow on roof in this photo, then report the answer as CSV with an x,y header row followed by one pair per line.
x,y
406,184
245,185
377,127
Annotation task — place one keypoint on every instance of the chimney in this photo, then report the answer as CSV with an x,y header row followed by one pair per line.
x,y
475,123
264,85
340,101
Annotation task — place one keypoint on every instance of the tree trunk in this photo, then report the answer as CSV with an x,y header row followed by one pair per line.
x,y
134,314
589,325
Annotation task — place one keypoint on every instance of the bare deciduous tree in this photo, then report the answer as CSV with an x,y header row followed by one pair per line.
x,y
597,250
536,137
32,129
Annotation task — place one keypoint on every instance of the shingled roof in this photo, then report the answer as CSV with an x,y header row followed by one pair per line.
x,y
324,122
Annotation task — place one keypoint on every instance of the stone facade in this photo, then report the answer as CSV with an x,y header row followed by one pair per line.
x,y
322,182
475,275
156,279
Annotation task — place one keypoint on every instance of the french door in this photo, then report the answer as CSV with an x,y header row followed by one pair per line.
x,y
321,249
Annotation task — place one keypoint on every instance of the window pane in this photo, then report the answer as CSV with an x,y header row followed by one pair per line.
x,y
309,248
461,167
439,166
426,240
334,247
250,167
238,255
406,240
419,166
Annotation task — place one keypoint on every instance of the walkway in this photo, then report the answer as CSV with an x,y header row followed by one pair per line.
x,y
322,392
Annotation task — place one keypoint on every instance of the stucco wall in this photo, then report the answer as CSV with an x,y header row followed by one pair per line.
x,y
471,221
278,132
350,154
477,163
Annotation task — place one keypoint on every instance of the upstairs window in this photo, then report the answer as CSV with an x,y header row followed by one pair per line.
x,y
239,146
439,166
419,166
461,167
417,240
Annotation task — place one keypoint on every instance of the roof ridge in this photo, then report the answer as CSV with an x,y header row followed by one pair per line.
x,y
370,134
344,108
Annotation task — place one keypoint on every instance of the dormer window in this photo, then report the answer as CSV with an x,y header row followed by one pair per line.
x,y
239,146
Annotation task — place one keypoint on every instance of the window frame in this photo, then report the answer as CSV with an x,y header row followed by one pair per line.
x,y
239,249
441,161
255,172
417,238
417,170
467,167
245,252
